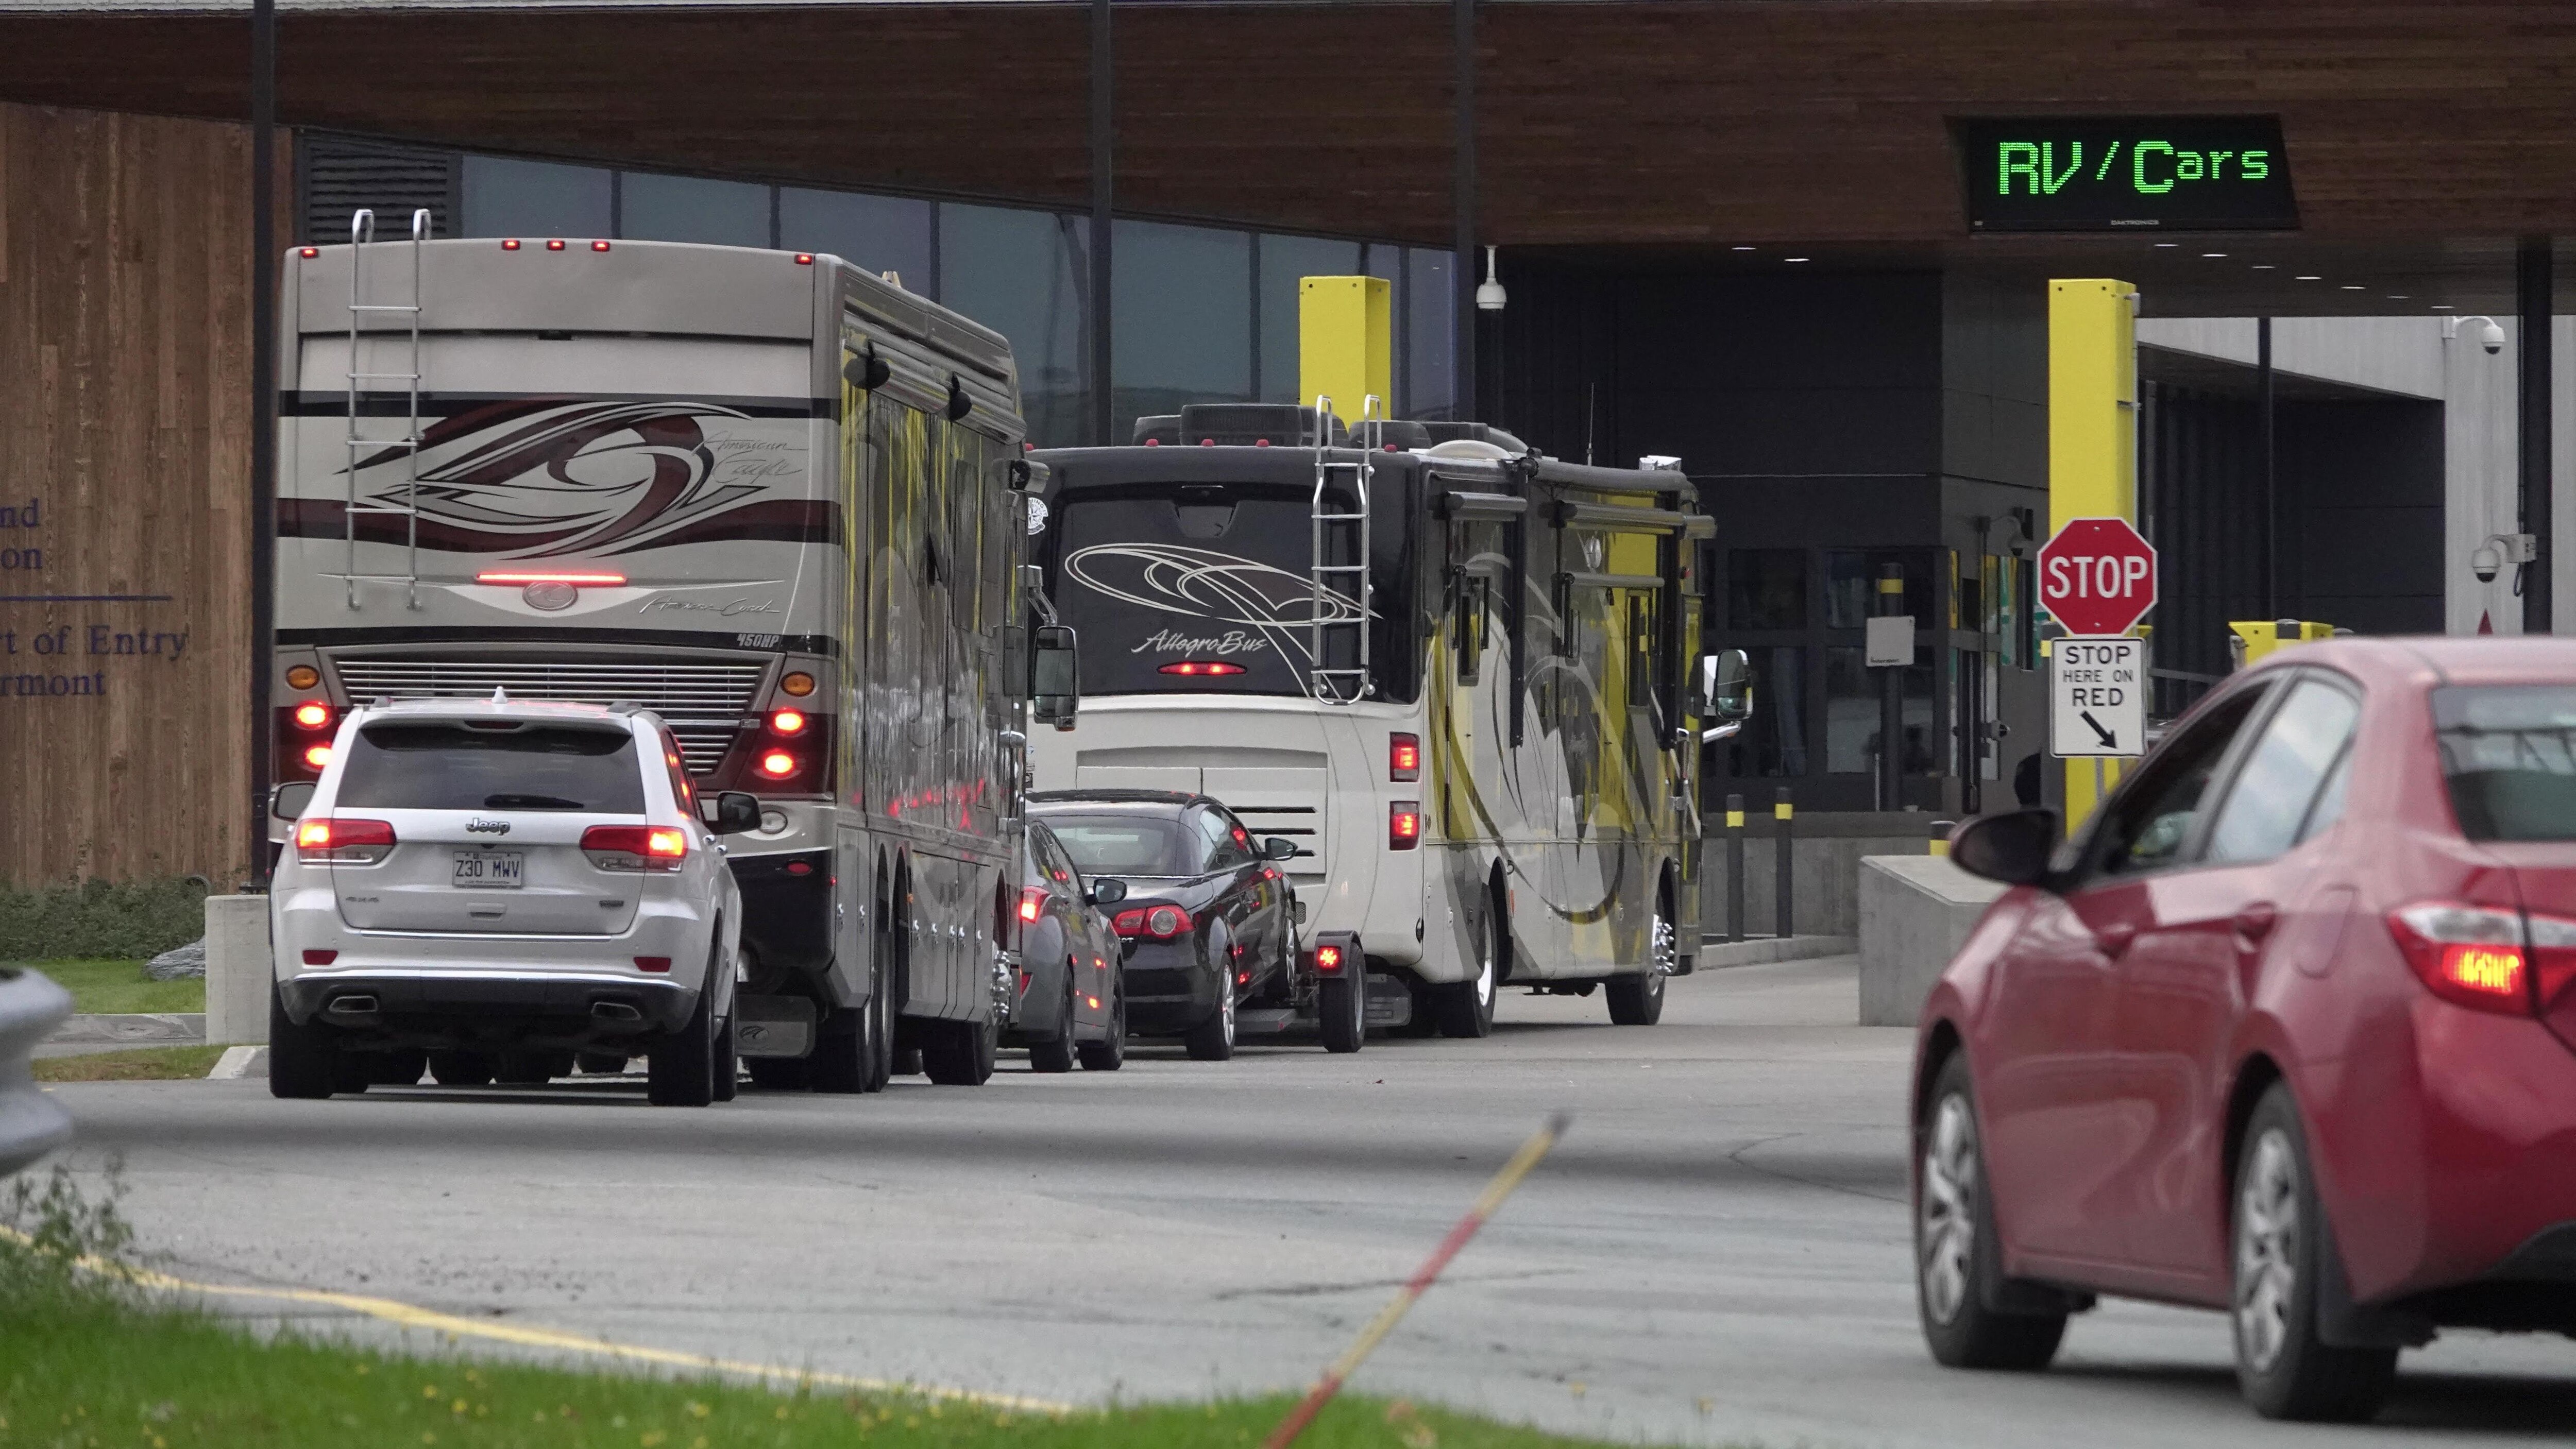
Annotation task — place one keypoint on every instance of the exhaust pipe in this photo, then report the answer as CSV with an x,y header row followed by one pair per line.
x,y
615,1011
352,1006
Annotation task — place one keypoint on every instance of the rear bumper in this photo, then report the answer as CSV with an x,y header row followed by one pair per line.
x,y
1170,988
446,1008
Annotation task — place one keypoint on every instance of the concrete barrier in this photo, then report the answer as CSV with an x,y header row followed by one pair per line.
x,y
1915,913
31,1123
239,973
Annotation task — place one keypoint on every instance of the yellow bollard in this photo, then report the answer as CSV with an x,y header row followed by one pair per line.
x,y
2092,441
2255,638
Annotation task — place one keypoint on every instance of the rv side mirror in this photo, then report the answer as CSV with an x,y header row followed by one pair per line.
x,y
867,372
1726,685
288,801
737,812
1278,847
1106,892
1053,669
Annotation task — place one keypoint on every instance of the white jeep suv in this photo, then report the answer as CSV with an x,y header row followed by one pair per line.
x,y
498,889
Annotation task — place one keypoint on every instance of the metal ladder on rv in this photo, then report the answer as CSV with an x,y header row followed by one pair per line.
x,y
362,236
1344,684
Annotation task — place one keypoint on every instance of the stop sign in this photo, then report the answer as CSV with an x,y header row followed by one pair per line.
x,y
2097,576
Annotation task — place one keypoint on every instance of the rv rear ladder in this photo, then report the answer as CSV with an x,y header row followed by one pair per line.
x,y
1326,681
362,235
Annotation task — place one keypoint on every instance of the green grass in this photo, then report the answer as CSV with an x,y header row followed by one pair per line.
x,y
88,1362
119,986
142,1064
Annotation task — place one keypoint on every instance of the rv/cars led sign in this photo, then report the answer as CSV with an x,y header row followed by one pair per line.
x,y
2175,173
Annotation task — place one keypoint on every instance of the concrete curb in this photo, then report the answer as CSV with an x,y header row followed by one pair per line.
x,y
1717,955
175,1028
239,1062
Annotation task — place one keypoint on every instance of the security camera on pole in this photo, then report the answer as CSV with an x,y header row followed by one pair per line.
x,y
2097,577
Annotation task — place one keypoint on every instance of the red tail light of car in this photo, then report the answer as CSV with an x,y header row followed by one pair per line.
x,y
635,847
1160,923
1032,903
2483,957
341,840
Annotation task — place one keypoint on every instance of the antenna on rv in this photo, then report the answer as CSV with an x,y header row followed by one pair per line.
x,y
893,278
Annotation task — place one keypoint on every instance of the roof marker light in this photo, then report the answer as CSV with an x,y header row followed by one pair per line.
x,y
599,246
1153,442
804,259
554,244
509,244
308,252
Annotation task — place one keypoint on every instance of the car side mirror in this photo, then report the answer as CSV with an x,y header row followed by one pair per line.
x,y
1278,847
1107,892
1726,685
2012,848
1054,668
289,801
737,812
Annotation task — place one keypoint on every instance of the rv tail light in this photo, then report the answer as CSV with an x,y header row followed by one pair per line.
x,y
1202,666
1403,757
1153,442
788,721
312,715
1032,903
1404,825
2472,955
799,684
317,756
777,764
1328,959
804,259
343,840
635,847
510,244
554,244
599,246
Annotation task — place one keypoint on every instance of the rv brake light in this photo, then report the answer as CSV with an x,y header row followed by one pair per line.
x,y
788,721
1202,666
318,756
777,764
1403,757
596,581
312,715
1403,825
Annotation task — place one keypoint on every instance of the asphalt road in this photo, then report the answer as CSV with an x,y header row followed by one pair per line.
x,y
1717,1252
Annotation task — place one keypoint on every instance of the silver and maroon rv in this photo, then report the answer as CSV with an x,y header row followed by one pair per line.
x,y
766,495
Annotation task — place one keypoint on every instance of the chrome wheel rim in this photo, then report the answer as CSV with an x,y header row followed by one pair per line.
x,y
2267,1250
1665,948
1946,1215
1226,1010
1485,978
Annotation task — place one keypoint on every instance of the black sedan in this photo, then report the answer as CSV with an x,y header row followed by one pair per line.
x,y
1206,921
1070,1003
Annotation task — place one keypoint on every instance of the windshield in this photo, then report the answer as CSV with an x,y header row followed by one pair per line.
x,y
1205,588
2510,756
449,766
1128,844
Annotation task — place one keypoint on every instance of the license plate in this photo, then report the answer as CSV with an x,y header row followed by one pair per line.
x,y
491,869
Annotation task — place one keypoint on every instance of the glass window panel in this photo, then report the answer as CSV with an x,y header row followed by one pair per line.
x,y
1184,318
879,233
1285,260
1852,715
2149,822
2270,798
1851,584
1431,304
1773,742
1024,274
1766,588
508,197
655,207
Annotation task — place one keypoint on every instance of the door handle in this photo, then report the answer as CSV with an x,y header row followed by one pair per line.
x,y
2254,923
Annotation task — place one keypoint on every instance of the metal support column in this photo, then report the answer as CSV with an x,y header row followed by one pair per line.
x,y
1462,192
263,419
1891,700
1104,91
2534,288
2265,415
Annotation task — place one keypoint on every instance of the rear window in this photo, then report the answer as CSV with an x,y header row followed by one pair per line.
x,y
1128,844
2509,753
520,767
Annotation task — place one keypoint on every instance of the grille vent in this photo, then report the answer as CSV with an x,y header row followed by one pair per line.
x,y
704,704
340,174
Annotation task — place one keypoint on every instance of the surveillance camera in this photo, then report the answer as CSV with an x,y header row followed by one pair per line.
x,y
2486,562
2491,337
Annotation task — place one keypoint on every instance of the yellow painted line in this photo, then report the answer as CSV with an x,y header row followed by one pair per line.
x,y
532,1336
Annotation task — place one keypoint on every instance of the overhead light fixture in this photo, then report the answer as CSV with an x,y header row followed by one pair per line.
x,y
1489,293
2397,296
1793,259
1744,249
2311,279
2161,246
2265,267
2213,254
2353,287
2443,307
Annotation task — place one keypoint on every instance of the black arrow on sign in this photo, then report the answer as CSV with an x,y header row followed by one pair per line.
x,y
2110,741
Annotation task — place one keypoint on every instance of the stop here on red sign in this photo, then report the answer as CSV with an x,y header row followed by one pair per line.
x,y
2097,577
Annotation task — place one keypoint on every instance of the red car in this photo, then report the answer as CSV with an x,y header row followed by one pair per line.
x,y
2287,1029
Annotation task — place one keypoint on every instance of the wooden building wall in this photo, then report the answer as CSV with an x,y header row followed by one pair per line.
x,y
124,359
